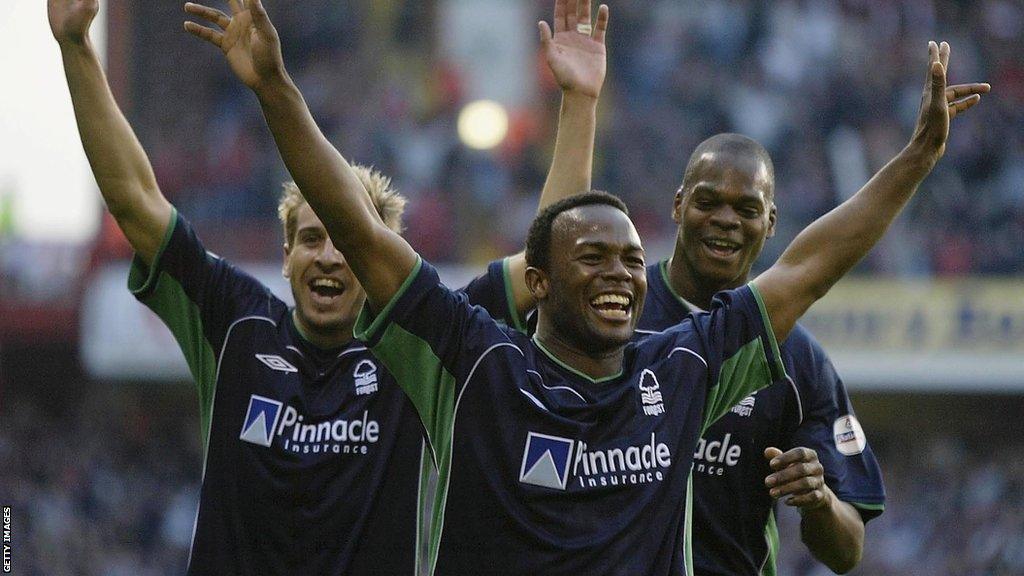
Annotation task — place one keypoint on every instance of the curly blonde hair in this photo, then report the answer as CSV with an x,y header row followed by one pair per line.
x,y
389,204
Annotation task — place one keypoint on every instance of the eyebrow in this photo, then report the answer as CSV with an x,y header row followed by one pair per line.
x,y
606,246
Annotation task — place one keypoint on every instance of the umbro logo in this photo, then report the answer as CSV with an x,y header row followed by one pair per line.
x,y
260,420
275,362
650,393
546,461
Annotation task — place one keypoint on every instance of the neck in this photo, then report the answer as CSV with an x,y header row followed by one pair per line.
x,y
593,365
688,285
323,339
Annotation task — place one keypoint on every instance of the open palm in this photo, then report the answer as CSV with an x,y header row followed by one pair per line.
x,y
246,37
577,58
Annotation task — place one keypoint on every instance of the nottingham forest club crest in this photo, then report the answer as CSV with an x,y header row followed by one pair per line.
x,y
650,393
365,377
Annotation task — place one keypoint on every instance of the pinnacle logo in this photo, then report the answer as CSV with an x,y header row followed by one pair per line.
x,y
275,362
745,407
650,393
546,461
365,376
260,420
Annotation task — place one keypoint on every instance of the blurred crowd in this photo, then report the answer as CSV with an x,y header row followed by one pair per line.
x,y
830,87
108,486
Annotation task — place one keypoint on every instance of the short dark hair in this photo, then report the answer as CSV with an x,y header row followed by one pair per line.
x,y
538,241
736,144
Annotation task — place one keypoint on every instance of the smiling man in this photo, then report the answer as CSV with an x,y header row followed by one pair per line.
x,y
726,210
568,452
314,459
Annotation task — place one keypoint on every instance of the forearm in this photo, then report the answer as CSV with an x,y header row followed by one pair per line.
x,y
827,249
119,164
573,159
379,257
834,534
570,173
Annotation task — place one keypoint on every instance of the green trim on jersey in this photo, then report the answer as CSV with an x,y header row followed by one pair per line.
x,y
663,266
413,364
688,527
570,368
513,313
424,507
776,355
165,296
743,373
771,536
865,506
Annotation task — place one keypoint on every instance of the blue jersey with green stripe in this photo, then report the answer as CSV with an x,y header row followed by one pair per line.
x,y
543,470
313,458
733,515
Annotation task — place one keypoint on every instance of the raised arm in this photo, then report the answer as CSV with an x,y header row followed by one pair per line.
x,y
380,258
576,55
834,243
120,165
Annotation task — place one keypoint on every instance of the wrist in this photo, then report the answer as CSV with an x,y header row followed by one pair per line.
x,y
919,156
824,506
74,44
276,87
578,100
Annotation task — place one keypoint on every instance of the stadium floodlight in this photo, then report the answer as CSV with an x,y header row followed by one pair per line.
x,y
483,124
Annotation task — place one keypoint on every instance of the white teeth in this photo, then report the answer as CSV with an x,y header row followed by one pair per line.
x,y
723,244
610,299
326,283
614,313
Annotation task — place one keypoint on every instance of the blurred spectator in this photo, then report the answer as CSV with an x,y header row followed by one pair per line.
x,y
830,87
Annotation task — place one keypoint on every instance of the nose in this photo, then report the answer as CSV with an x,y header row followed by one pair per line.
x,y
617,270
329,257
725,217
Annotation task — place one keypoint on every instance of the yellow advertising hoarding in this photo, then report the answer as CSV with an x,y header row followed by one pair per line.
x,y
939,334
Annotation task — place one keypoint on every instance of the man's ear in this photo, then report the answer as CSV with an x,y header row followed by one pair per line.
x,y
284,265
537,282
677,207
771,220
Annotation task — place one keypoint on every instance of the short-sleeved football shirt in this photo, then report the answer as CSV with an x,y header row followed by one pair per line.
x,y
314,459
543,470
733,516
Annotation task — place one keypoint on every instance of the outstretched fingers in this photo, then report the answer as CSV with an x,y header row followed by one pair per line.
x,y
209,34
572,17
961,106
259,17
602,23
211,15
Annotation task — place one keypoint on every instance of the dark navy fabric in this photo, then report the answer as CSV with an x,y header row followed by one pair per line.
x,y
544,470
313,458
732,507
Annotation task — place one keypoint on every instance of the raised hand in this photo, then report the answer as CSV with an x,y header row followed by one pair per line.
x,y
799,475
941,103
70,19
575,52
246,37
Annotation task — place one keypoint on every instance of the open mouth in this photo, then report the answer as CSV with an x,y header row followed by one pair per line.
x,y
721,247
326,289
612,306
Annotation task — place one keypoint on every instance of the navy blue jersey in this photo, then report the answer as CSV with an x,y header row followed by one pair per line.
x,y
543,470
733,516
493,291
313,458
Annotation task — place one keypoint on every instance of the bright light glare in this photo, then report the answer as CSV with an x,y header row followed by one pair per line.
x,y
44,176
483,124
